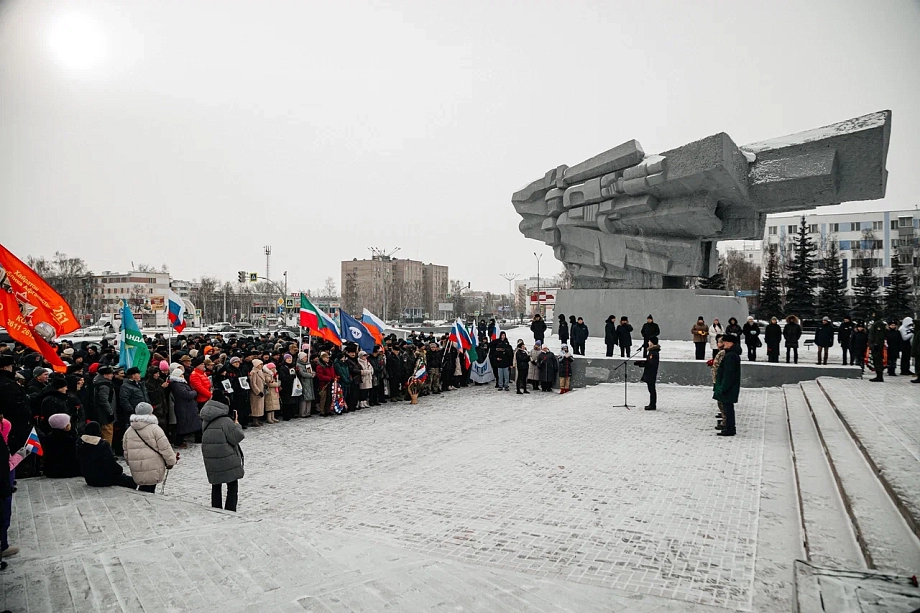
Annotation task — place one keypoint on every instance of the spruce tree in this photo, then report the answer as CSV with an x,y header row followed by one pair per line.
x,y
800,295
898,292
832,295
716,281
771,295
865,288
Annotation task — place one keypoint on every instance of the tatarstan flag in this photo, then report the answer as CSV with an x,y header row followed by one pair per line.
x,y
319,323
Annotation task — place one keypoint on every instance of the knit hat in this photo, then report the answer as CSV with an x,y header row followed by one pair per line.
x,y
143,408
197,362
68,351
193,353
270,366
256,363
92,429
164,366
59,421
301,355
178,373
288,355
235,359
38,371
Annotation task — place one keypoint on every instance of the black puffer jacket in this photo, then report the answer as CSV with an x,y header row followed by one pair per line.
x,y
96,459
610,331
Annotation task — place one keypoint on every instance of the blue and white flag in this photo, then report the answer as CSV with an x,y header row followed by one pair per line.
x,y
354,331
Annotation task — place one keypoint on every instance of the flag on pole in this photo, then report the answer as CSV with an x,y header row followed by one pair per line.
x,y
318,322
31,311
374,325
176,311
460,337
496,332
421,374
33,444
354,331
133,351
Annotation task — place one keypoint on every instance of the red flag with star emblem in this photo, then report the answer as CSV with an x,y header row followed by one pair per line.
x,y
30,310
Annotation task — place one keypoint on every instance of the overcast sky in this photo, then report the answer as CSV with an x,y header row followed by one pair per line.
x,y
193,133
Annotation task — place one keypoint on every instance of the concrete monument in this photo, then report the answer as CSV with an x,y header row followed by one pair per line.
x,y
627,220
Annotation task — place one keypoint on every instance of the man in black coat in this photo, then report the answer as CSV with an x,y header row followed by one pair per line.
x,y
877,331
751,332
610,334
538,327
579,332
893,341
772,336
650,371
859,343
843,337
624,336
14,406
649,329
824,339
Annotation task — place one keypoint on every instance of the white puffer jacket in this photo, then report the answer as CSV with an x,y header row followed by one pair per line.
x,y
147,450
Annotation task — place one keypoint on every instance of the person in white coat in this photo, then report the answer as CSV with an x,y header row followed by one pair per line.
x,y
715,331
147,450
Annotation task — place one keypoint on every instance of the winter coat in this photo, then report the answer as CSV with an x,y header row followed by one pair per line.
x,y
59,459
533,369
624,336
893,341
433,359
877,334
272,392
306,375
325,374
367,374
186,407
650,364
792,333
286,376
395,368
915,348
522,360
907,330
610,332
699,333
147,450
579,333
53,402
714,332
843,333
772,334
502,353
97,461
257,391
76,412
859,342
565,365
648,331
728,379
344,373
538,327
220,444
548,366
103,409
239,399
563,331
734,329
751,332
198,379
129,396
15,409
156,396
824,335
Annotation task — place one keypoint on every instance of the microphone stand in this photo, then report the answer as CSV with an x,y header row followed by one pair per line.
x,y
625,367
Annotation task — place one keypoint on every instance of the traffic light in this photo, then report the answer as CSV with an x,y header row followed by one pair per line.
x,y
241,276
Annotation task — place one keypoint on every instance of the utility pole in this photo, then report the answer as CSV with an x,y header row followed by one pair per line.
x,y
539,257
268,268
510,277
386,258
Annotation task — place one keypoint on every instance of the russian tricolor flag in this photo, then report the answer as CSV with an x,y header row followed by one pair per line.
x,y
421,374
33,444
176,312
374,325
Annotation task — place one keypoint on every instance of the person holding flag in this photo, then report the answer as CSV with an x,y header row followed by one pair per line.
x,y
176,312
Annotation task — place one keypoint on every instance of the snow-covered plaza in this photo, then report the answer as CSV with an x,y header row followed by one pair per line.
x,y
481,500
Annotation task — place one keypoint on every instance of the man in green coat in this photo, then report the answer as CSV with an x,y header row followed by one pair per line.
x,y
728,383
877,346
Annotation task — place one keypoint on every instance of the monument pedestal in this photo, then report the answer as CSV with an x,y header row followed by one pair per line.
x,y
675,310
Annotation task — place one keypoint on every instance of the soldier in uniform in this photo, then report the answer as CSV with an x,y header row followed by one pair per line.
x,y
877,346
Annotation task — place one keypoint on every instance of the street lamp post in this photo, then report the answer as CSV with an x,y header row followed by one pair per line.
x,y
510,277
539,257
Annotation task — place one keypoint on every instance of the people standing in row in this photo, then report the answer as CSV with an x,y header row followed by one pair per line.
x,y
859,346
579,335
751,332
610,334
893,346
843,337
563,330
715,331
624,337
700,335
522,367
877,347
533,371
548,367
792,332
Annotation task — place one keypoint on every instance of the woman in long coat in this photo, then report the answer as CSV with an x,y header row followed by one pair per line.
x,y
306,375
366,381
187,420
272,393
533,372
287,374
256,392
548,367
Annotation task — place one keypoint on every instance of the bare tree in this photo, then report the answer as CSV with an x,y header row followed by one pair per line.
x,y
145,268
137,298
68,276
329,288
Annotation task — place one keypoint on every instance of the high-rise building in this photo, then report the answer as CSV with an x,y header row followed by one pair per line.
x,y
393,288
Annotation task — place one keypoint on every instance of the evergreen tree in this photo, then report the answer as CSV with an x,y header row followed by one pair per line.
x,y
865,287
800,295
898,293
771,295
716,281
832,295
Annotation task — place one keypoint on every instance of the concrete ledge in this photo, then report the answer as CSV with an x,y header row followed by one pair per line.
x,y
591,371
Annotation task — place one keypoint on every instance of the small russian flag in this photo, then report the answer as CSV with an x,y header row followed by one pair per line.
x,y
421,374
33,444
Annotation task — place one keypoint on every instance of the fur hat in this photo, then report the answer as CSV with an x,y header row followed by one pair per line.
x,y
134,370
729,338
143,408
59,421
6,360
68,351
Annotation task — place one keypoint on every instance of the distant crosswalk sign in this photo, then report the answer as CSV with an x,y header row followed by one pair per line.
x,y
253,277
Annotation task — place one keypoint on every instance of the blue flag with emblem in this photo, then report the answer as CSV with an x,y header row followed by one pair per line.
x,y
354,331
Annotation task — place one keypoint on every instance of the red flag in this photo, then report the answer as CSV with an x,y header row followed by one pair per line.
x,y
28,304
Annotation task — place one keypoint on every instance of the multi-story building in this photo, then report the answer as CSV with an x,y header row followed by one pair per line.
x,y
393,288
144,292
875,236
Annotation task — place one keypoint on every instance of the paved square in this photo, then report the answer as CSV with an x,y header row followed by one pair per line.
x,y
477,485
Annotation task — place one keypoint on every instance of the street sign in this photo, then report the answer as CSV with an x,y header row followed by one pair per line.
x,y
747,293
280,301
281,309
198,313
253,277
157,303
290,303
446,306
